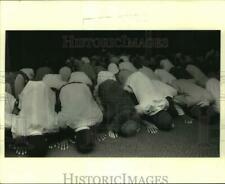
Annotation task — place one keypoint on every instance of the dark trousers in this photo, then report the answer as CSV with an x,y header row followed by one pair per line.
x,y
162,120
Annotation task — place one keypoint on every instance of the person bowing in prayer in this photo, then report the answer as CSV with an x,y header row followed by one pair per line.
x,y
120,116
79,110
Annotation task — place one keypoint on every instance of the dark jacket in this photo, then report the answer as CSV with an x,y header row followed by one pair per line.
x,y
118,105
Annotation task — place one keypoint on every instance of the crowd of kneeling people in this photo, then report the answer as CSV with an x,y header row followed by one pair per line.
x,y
114,95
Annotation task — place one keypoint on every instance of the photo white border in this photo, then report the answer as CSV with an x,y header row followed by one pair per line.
x,y
112,15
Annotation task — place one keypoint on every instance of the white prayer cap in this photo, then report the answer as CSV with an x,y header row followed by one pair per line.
x,y
105,75
166,64
113,68
29,72
80,77
85,60
125,58
65,73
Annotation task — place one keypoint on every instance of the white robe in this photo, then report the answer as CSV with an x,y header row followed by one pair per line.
x,y
37,115
190,93
213,86
165,76
78,107
166,64
197,74
151,99
126,65
53,81
149,73
9,105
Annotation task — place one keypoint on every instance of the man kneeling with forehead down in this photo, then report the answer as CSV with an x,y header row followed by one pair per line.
x,y
152,97
196,99
79,110
120,115
37,116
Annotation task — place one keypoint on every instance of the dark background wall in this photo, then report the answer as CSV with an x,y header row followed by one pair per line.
x,y
33,48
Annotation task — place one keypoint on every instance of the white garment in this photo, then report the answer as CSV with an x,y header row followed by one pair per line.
x,y
165,76
80,77
29,72
164,89
149,73
9,102
126,65
113,68
150,98
197,74
105,75
8,88
37,115
9,105
65,73
79,108
166,64
53,81
190,93
213,86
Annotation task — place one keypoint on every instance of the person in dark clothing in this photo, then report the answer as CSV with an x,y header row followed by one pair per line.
x,y
120,115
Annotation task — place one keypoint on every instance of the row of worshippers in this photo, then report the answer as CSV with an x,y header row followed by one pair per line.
x,y
88,97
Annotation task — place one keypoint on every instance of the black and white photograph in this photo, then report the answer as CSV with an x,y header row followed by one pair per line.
x,y
104,93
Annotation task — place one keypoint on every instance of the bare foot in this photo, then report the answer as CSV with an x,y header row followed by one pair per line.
x,y
187,119
63,145
152,129
101,137
112,135
21,150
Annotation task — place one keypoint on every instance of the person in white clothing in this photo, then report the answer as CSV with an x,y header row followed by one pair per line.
x,y
35,119
166,64
125,64
165,76
10,118
79,110
197,74
151,102
213,86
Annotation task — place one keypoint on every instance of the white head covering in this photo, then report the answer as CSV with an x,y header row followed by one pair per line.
x,y
125,58
65,73
85,60
113,68
29,72
80,77
105,75
166,64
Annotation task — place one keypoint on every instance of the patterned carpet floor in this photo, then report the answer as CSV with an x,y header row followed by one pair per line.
x,y
185,140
